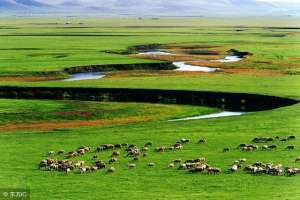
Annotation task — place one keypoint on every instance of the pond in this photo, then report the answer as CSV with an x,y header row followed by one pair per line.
x,y
85,76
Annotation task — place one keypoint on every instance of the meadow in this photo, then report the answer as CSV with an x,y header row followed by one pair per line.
x,y
29,48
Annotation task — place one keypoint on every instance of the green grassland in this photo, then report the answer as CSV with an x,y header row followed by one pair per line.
x,y
31,46
38,110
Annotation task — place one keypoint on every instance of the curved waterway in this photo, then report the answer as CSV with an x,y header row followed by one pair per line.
x,y
182,66
233,104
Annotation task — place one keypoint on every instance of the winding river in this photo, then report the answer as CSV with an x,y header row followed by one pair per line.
x,y
232,104
229,109
182,66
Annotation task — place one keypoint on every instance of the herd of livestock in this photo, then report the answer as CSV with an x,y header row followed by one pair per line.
x,y
197,165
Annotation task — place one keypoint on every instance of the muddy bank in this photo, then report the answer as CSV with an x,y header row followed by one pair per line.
x,y
239,102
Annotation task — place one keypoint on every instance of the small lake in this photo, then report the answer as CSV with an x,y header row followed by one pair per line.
x,y
156,53
230,59
182,66
85,76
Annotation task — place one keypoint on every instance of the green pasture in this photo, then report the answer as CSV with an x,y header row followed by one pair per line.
x,y
31,46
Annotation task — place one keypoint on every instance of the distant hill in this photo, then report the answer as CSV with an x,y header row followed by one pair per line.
x,y
153,7
23,5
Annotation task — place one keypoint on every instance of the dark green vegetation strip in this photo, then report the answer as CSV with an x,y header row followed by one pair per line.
x,y
227,101
121,67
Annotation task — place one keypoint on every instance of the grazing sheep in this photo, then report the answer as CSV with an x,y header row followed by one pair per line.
x,y
160,149
132,146
265,147
273,146
260,168
247,149
198,169
133,152
104,147
132,165
43,164
234,168
53,167
177,161
60,152
72,154
100,164
252,146
94,157
124,145
81,151
262,140
182,166
171,165
178,146
88,168
171,148
118,146
297,159
201,141
148,144
214,170
275,171
145,149
111,170
68,170
151,164
251,169
94,169
135,158
113,160
290,171
184,141
115,154
226,150
292,137
290,147
201,159
236,162
145,154
242,160
51,153
79,164
82,170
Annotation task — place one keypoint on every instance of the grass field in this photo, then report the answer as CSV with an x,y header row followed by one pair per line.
x,y
31,128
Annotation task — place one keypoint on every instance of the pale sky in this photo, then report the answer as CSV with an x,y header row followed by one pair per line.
x,y
96,1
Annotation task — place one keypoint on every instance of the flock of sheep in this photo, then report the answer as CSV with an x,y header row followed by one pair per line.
x,y
198,165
